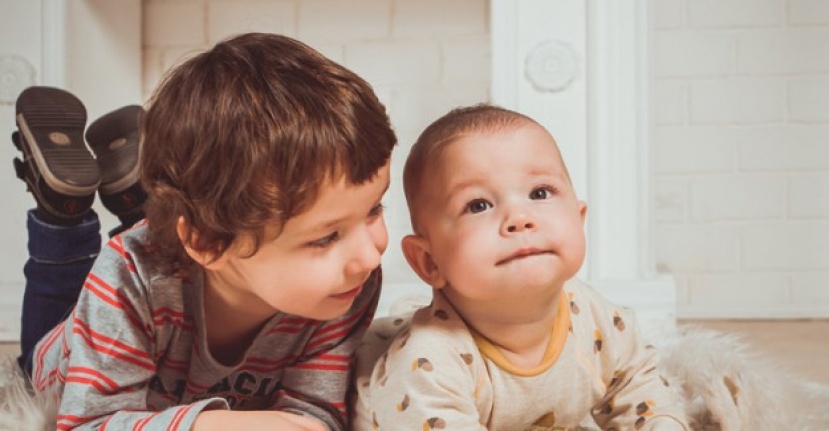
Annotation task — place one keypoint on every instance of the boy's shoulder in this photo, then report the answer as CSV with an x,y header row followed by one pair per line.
x,y
133,249
127,264
131,243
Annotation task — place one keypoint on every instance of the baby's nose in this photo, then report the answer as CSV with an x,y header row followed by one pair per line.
x,y
518,222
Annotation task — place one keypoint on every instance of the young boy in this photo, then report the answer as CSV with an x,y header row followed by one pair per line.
x,y
511,341
240,300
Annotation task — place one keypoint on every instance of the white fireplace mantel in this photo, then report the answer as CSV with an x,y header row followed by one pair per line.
x,y
581,70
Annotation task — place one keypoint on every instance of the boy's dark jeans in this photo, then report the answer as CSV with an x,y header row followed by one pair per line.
x,y
60,258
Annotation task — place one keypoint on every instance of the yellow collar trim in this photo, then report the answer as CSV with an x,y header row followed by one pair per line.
x,y
558,336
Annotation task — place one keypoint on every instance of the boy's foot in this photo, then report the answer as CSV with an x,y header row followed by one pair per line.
x,y
114,140
58,168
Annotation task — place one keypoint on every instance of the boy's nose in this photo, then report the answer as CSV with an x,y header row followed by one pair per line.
x,y
516,222
366,256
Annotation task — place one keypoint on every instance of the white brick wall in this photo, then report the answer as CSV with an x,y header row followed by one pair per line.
x,y
741,155
422,57
741,113
735,13
808,12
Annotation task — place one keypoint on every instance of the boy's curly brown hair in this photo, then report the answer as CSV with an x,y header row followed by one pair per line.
x,y
244,135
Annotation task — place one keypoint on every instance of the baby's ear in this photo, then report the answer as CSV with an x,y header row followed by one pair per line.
x,y
189,236
418,254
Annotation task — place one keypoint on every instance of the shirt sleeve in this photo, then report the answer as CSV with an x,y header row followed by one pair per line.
x,y
101,360
317,384
638,396
425,381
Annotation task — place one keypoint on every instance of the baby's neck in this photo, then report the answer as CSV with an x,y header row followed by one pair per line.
x,y
521,336
523,347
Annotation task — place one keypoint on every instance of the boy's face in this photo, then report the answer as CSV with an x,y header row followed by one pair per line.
x,y
317,265
500,218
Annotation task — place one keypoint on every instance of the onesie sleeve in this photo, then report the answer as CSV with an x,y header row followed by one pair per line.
x,y
638,397
426,380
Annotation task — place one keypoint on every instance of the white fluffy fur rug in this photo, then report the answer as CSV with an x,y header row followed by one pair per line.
x,y
726,385
20,410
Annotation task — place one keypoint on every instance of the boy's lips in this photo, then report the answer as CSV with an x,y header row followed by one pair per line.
x,y
350,294
521,253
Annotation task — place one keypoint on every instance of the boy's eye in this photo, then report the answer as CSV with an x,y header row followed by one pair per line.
x,y
377,210
477,206
541,193
325,241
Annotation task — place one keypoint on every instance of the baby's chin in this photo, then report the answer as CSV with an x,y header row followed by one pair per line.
x,y
527,284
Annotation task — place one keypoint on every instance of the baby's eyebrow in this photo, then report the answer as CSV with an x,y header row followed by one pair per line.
x,y
465,184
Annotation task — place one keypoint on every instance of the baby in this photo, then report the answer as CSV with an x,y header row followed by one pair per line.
x,y
511,341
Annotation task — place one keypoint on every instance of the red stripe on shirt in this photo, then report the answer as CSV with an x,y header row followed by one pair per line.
x,y
321,341
73,372
140,424
73,421
117,244
132,355
100,289
318,339
178,418
112,341
44,347
332,326
323,367
332,357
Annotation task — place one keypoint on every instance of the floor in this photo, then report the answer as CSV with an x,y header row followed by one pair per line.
x,y
801,346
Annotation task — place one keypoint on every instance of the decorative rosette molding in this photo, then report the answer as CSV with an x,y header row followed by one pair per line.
x,y
551,65
15,75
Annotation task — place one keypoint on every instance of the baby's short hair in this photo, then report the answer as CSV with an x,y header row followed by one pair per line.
x,y
447,129
244,135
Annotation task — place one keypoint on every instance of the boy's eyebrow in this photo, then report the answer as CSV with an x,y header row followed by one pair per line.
x,y
328,224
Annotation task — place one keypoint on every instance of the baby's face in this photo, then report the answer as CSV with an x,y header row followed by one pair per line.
x,y
501,217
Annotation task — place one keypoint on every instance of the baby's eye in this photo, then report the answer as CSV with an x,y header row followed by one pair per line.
x,y
477,206
325,241
541,193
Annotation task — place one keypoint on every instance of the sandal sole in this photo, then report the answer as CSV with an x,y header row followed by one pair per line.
x,y
114,140
51,122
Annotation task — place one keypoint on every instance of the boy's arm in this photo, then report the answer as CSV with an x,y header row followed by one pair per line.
x,y
316,386
638,396
107,356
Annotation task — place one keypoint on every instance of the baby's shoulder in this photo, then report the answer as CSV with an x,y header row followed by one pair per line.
x,y
436,327
590,309
434,333
584,297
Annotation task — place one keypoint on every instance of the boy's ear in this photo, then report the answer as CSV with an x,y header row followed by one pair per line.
x,y
583,211
204,258
418,254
